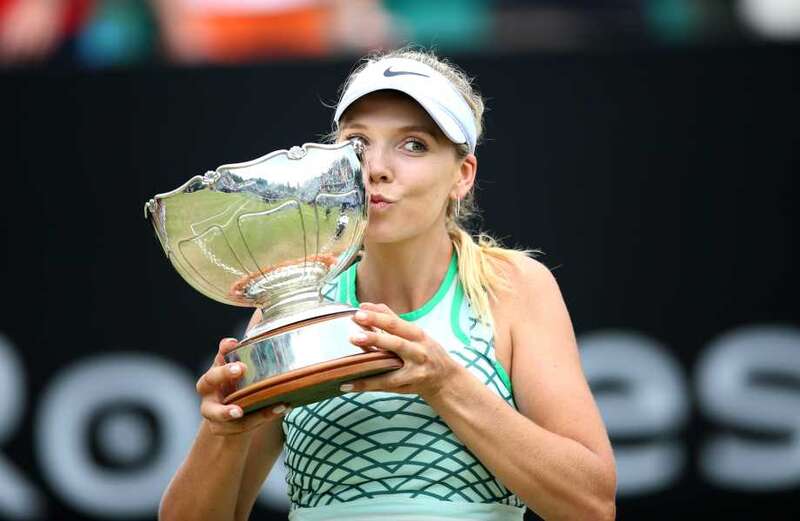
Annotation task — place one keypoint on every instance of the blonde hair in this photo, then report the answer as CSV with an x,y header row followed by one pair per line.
x,y
479,257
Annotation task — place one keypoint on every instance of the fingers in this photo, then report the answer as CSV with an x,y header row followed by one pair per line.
x,y
215,383
219,378
227,419
226,345
381,308
388,342
217,412
425,362
381,317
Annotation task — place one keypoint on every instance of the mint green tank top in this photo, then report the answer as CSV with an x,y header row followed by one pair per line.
x,y
364,455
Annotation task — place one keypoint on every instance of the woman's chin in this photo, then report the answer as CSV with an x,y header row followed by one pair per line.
x,y
380,235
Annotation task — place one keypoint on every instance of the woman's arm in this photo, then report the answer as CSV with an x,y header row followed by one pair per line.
x,y
222,474
554,453
231,456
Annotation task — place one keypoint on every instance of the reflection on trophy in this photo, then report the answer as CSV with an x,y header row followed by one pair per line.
x,y
271,233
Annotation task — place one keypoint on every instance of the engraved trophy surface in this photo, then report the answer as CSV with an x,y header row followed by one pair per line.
x,y
271,233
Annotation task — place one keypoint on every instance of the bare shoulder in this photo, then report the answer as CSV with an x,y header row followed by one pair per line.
x,y
528,269
533,307
528,293
531,311
529,282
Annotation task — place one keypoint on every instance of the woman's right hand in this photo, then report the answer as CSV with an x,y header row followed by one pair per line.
x,y
218,382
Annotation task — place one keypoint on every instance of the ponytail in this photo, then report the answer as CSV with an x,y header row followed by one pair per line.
x,y
481,263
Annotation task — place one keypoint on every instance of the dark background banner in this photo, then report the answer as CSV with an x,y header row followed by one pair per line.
x,y
660,185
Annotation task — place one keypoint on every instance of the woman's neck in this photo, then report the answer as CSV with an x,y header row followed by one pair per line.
x,y
404,276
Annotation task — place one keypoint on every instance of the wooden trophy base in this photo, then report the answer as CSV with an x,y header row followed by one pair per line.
x,y
312,383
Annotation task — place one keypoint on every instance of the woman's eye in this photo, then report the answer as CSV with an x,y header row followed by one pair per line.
x,y
413,145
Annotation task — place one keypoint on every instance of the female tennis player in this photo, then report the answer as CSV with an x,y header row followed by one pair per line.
x,y
491,411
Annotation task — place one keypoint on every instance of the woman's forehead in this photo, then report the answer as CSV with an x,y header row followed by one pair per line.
x,y
388,107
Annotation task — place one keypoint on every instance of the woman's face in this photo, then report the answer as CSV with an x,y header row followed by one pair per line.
x,y
411,167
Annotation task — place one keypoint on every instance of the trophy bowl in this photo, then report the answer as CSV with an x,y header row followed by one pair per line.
x,y
273,233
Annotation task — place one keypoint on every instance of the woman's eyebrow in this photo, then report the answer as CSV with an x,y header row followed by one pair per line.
x,y
353,125
418,128
405,128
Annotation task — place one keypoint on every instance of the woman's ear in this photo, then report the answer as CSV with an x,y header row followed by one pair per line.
x,y
466,176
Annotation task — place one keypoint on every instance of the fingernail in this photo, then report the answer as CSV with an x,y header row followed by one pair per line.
x,y
359,337
234,369
360,315
346,388
279,409
235,412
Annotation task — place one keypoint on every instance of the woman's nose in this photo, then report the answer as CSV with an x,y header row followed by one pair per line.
x,y
378,168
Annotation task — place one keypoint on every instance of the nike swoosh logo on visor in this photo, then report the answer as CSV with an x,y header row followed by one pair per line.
x,y
389,73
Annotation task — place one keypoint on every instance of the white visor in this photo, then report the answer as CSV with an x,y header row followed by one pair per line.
x,y
440,99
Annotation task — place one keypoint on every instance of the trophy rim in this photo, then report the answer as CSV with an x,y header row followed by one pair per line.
x,y
270,327
290,153
211,176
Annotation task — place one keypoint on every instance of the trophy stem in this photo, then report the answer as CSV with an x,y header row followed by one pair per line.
x,y
290,303
291,307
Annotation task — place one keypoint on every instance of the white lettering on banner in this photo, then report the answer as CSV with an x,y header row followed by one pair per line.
x,y
739,385
18,498
80,391
641,393
747,380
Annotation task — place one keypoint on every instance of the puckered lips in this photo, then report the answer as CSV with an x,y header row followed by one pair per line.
x,y
379,202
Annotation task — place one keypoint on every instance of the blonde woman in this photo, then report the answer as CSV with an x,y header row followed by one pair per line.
x,y
491,411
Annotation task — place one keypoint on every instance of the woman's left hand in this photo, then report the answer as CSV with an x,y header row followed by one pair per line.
x,y
426,365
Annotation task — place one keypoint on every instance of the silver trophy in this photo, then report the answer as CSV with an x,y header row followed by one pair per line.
x,y
272,233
